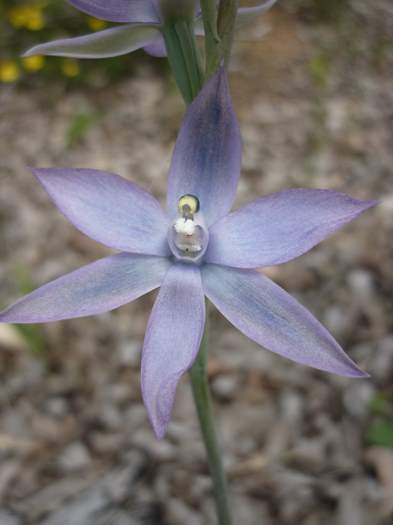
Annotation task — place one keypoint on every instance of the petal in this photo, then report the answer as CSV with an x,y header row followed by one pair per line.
x,y
119,10
280,227
172,340
108,208
156,48
95,288
207,156
267,314
248,13
108,43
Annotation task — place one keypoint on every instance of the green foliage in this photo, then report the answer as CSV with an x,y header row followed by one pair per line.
x,y
320,67
79,127
32,333
34,337
381,431
381,434
380,405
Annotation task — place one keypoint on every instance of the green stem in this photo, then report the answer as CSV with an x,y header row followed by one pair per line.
x,y
219,26
183,57
202,400
212,40
227,13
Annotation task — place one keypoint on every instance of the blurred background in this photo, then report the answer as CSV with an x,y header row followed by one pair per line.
x,y
312,82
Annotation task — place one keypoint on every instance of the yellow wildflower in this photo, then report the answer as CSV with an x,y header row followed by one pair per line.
x,y
36,20
17,16
9,71
34,63
70,68
28,16
95,24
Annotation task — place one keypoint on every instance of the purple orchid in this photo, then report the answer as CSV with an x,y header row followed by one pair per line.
x,y
143,21
194,249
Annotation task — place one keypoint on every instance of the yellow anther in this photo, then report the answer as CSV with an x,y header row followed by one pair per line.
x,y
188,205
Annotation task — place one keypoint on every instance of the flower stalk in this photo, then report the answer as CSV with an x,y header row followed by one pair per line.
x,y
203,404
212,40
183,56
219,27
227,13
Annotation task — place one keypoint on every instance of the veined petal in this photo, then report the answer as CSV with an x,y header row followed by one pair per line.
x,y
280,227
245,13
119,10
108,43
268,315
108,208
207,156
172,340
156,48
95,288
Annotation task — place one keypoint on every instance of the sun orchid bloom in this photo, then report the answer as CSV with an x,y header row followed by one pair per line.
x,y
143,21
194,248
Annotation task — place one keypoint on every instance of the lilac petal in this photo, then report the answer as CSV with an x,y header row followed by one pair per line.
x,y
261,7
267,314
206,160
108,208
156,48
280,227
95,288
139,11
102,44
172,341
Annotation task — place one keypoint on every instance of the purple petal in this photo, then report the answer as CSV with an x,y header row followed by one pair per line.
x,y
267,314
102,44
277,228
139,11
172,341
95,288
108,208
261,7
156,48
206,160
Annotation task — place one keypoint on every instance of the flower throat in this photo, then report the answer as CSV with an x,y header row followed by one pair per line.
x,y
188,236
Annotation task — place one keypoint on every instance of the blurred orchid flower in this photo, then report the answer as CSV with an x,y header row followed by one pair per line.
x,y
143,21
195,248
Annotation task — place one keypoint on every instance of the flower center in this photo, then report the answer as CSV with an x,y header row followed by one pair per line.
x,y
188,236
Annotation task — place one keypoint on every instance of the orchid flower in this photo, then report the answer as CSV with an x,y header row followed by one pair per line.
x,y
195,248
143,21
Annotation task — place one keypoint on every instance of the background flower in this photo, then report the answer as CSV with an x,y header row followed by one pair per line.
x,y
143,19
